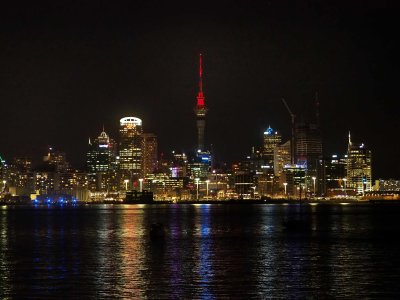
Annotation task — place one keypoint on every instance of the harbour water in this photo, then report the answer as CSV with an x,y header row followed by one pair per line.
x,y
213,251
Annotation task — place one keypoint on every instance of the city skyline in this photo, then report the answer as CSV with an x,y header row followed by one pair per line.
x,y
67,74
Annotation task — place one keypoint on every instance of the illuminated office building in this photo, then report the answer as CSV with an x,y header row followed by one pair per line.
x,y
130,147
359,174
101,163
335,172
387,185
20,176
271,141
101,154
201,165
282,157
295,178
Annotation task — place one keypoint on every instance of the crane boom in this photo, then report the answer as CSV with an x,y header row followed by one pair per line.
x,y
287,107
293,139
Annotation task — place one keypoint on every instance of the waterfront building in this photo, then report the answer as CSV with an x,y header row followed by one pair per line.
x,y
217,185
294,179
359,171
244,184
165,187
387,185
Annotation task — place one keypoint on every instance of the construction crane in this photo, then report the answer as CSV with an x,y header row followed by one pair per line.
x,y
292,143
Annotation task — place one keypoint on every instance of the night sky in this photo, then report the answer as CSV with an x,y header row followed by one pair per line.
x,y
68,67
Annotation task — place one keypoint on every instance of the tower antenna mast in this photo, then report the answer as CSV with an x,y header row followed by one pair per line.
x,y
200,110
317,109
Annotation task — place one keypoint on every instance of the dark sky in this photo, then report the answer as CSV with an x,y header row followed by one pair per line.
x,y
68,67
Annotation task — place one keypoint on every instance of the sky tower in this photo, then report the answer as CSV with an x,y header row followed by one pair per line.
x,y
200,111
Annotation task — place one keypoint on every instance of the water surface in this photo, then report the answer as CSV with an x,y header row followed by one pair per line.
x,y
210,252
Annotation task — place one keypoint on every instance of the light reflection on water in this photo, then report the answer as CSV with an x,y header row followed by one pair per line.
x,y
211,252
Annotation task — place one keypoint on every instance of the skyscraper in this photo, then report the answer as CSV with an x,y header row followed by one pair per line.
x,y
271,141
308,145
282,157
101,153
101,163
130,147
359,174
149,153
335,172
200,111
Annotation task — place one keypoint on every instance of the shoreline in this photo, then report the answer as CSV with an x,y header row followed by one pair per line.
x,y
223,202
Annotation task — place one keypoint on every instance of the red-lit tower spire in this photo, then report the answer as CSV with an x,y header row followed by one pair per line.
x,y
200,110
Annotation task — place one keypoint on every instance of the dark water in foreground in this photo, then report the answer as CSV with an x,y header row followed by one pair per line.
x,y
211,252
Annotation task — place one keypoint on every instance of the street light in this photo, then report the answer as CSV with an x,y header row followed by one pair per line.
x,y
272,185
344,180
197,188
285,185
207,182
140,184
4,185
313,178
126,184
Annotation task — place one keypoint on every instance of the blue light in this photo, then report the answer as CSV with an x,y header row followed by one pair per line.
x,y
269,131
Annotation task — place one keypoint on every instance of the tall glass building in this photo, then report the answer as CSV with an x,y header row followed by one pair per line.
x,y
271,141
308,145
101,154
130,146
100,161
359,173
149,153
